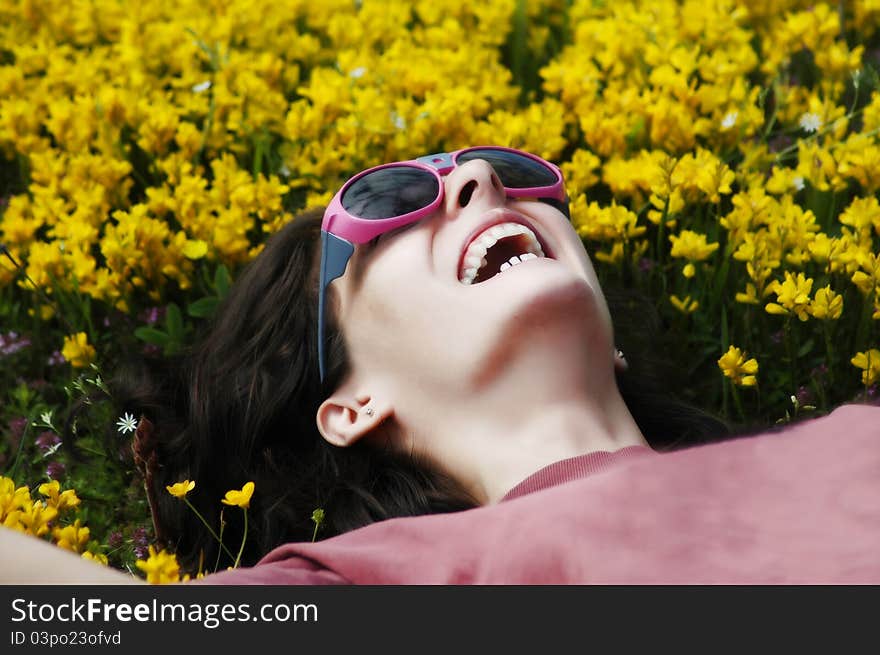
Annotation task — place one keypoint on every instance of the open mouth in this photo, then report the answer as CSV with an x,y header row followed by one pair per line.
x,y
496,250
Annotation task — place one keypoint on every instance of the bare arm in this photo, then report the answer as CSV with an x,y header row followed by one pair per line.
x,y
28,560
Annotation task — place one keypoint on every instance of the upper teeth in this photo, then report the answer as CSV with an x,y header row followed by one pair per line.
x,y
475,256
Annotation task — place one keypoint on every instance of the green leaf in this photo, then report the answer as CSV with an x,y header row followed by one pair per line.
x,y
806,348
221,281
174,322
719,283
203,307
152,335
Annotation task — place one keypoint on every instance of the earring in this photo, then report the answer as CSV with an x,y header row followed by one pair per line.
x,y
369,411
620,360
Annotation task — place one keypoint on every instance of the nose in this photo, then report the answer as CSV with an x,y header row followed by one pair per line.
x,y
473,182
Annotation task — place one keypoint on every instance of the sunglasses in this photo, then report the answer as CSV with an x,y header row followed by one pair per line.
x,y
386,197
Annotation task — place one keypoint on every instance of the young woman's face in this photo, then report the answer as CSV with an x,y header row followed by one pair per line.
x,y
410,321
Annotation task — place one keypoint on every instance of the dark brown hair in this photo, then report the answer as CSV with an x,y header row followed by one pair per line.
x,y
241,407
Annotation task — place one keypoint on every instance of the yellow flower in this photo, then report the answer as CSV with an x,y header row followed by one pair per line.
x,y
691,246
71,537
740,370
868,278
100,558
869,362
240,498
827,304
686,306
750,297
181,489
12,499
793,296
77,350
160,568
194,249
36,519
60,501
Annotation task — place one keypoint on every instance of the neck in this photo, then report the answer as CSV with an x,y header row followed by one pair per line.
x,y
506,433
555,433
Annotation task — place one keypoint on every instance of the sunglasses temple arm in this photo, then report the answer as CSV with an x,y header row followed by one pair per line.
x,y
335,253
559,205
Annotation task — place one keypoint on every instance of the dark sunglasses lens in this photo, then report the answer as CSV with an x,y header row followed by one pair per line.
x,y
514,170
391,191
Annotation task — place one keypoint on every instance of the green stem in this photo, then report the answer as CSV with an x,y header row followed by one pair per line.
x,y
222,526
96,453
789,351
725,392
18,453
243,540
210,529
660,232
737,402
829,352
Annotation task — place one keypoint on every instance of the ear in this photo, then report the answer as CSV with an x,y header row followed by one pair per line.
x,y
344,418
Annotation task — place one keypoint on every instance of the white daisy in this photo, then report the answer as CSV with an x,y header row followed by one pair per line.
x,y
126,423
729,120
798,183
398,120
201,86
810,122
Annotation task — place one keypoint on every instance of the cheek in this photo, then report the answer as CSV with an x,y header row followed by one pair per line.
x,y
388,317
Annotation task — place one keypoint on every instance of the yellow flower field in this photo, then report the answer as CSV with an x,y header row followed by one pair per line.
x,y
722,158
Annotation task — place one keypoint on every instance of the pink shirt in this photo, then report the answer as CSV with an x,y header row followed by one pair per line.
x,y
798,506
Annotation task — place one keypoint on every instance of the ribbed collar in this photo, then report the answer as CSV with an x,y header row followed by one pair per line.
x,y
575,468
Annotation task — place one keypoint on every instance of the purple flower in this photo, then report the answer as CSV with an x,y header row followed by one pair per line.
x,y
804,396
115,539
139,537
17,426
777,337
152,315
55,470
11,343
55,359
646,264
47,440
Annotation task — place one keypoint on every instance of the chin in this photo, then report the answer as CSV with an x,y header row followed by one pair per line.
x,y
554,299
544,283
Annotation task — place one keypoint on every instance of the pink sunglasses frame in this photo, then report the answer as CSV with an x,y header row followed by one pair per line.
x,y
339,222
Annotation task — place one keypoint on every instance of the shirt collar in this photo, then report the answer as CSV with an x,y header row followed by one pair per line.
x,y
574,468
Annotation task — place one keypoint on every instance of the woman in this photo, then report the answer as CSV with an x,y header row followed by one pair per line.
x,y
422,373
448,347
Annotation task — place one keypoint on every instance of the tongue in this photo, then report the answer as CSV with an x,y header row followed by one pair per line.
x,y
501,252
